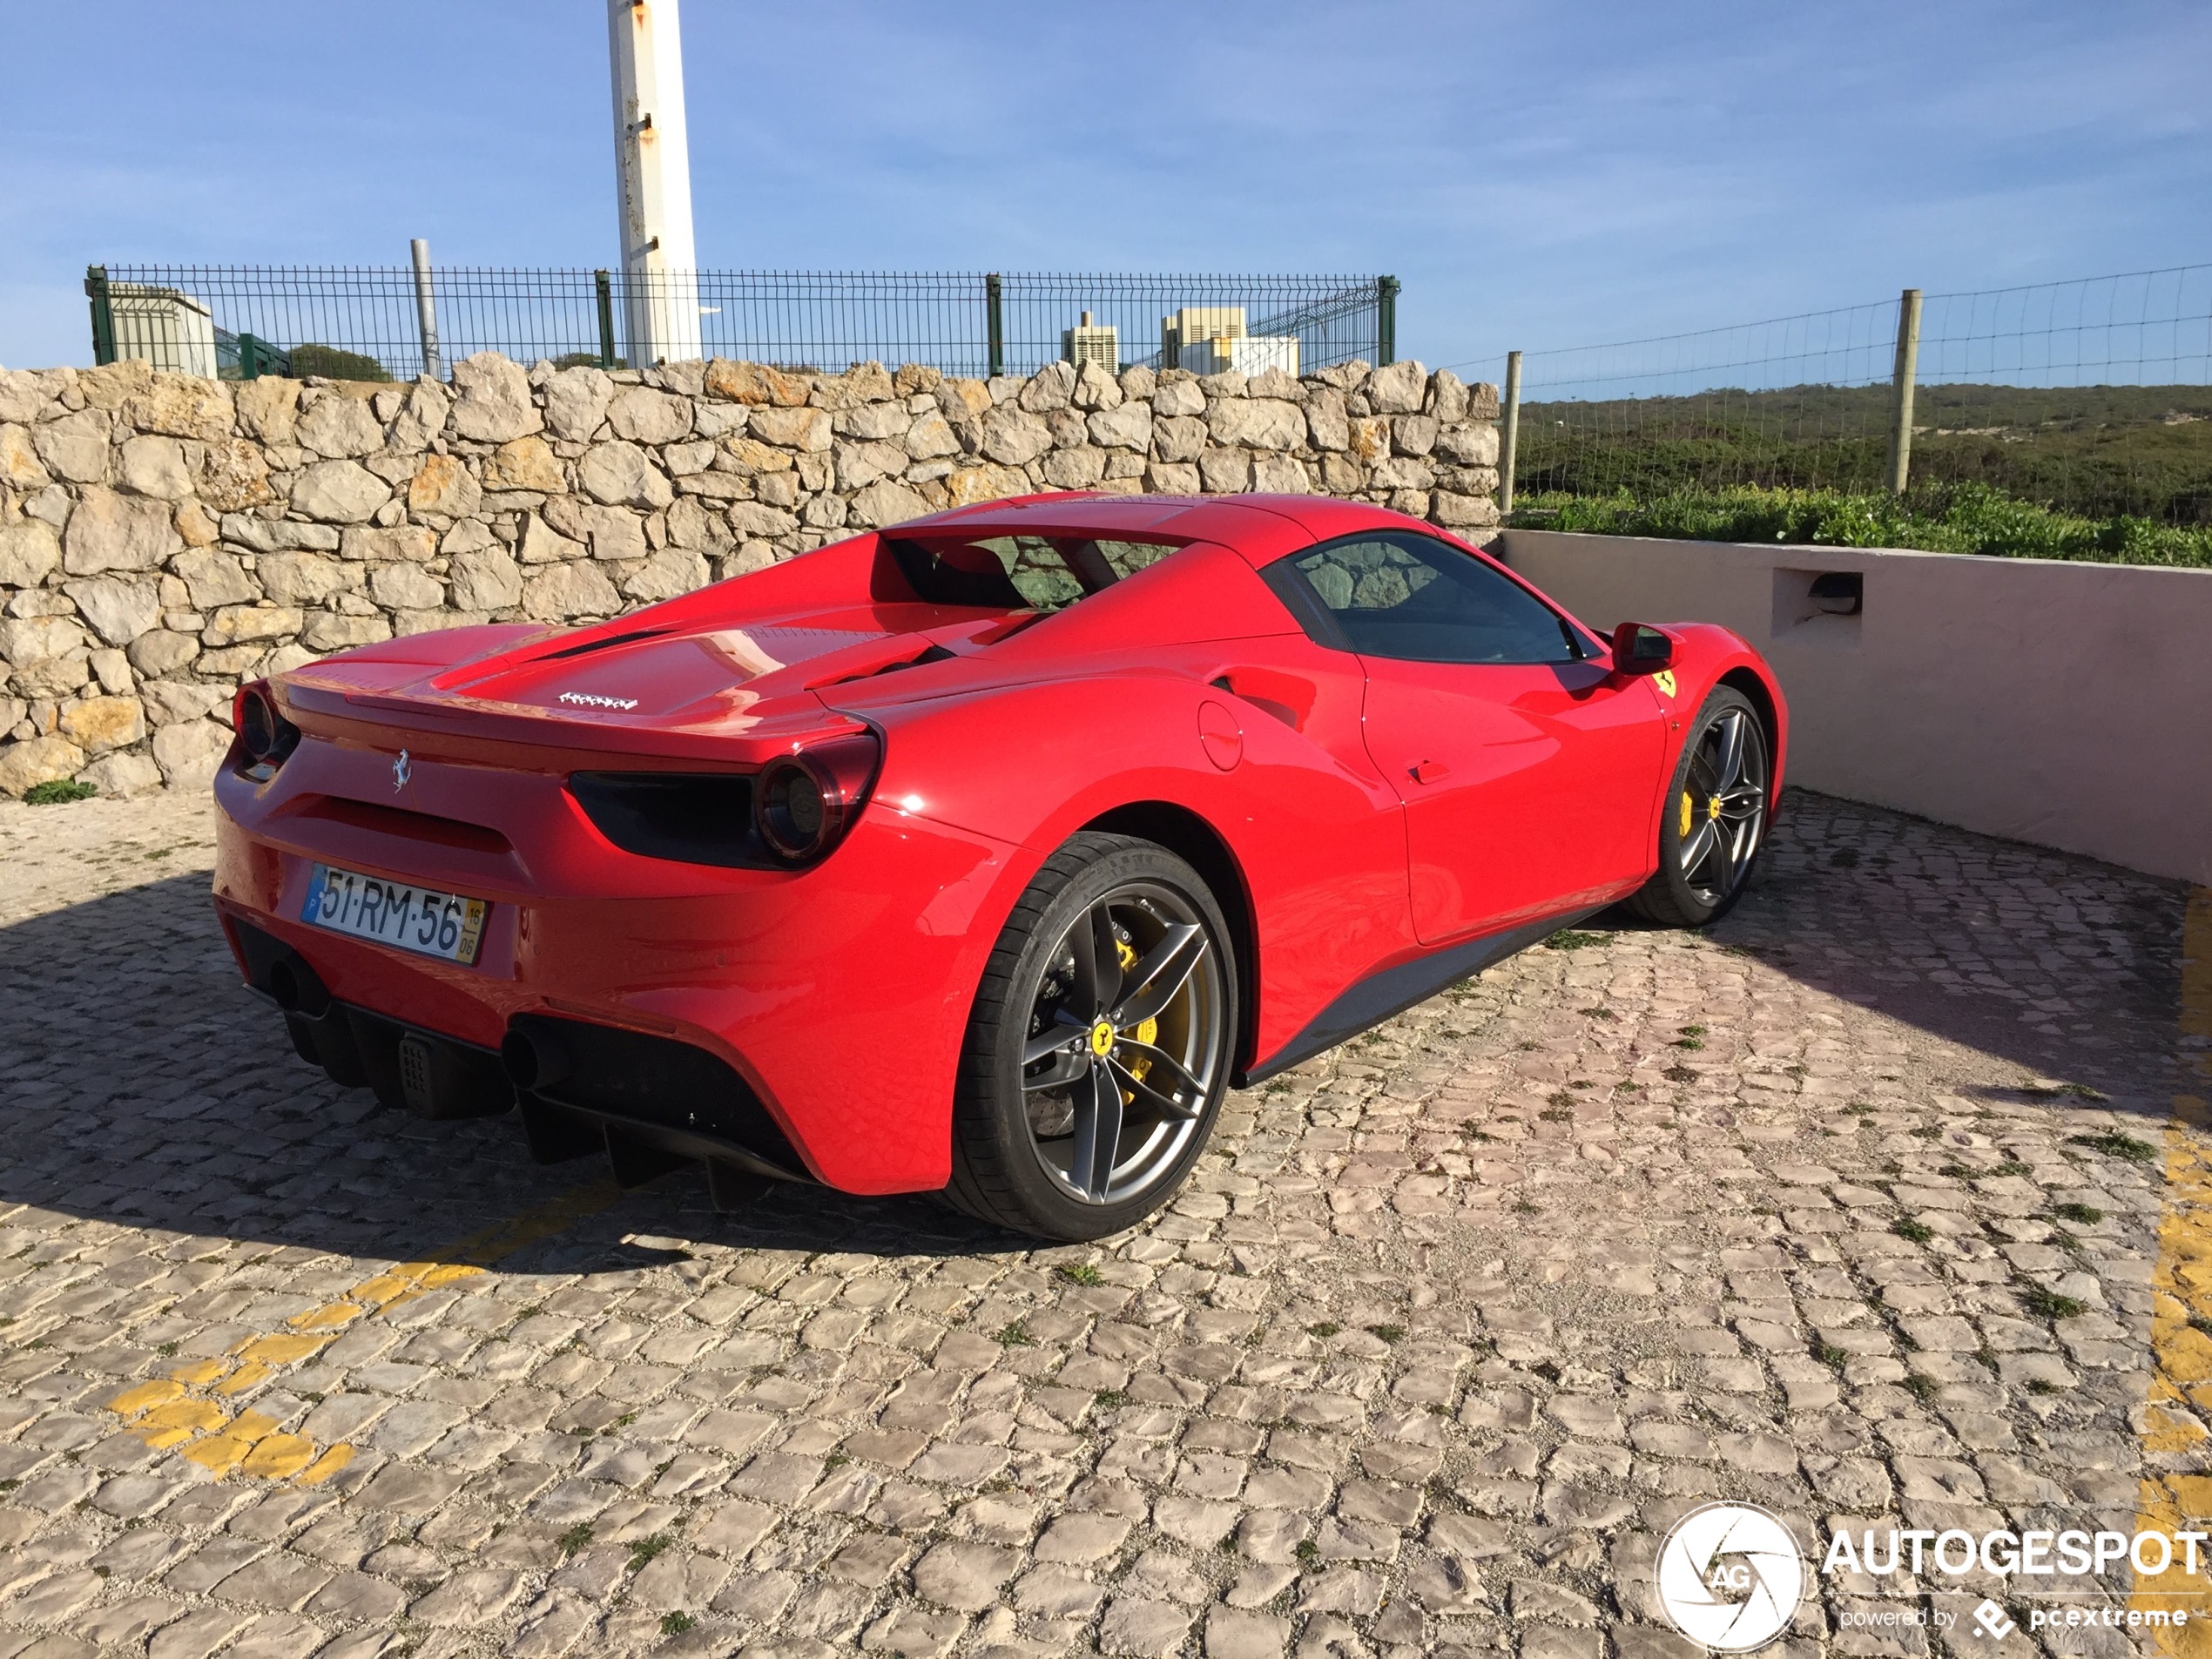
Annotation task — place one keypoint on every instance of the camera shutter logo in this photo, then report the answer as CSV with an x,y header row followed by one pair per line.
x,y
1730,1577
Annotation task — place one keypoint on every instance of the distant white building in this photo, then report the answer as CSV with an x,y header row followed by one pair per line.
x,y
1090,343
163,327
1211,340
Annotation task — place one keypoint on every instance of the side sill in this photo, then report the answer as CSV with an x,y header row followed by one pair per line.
x,y
1395,989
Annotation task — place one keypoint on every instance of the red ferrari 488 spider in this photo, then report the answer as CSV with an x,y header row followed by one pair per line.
x,y
978,855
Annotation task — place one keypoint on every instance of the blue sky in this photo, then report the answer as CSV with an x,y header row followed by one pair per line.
x,y
1536,174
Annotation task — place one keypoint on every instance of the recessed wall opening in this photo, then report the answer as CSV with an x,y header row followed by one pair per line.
x,y
1817,607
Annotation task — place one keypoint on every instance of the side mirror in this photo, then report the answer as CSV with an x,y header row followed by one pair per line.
x,y
1638,648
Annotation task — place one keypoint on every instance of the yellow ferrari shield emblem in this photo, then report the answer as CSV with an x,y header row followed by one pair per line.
x,y
1664,679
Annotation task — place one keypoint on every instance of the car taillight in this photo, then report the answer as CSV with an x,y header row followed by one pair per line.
x,y
804,801
266,735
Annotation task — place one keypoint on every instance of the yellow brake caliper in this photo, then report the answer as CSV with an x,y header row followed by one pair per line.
x,y
1143,1031
1687,810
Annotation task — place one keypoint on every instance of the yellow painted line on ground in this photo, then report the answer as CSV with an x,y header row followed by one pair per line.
x,y
2182,1292
168,1416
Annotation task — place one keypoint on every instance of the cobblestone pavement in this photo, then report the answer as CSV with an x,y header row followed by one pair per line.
x,y
1852,1208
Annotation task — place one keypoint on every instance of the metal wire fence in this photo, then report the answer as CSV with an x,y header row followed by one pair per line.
x,y
364,321
2091,397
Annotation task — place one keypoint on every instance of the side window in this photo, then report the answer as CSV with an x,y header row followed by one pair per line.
x,y
1406,596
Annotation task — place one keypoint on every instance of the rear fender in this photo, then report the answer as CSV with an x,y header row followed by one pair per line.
x,y
1199,844
1323,868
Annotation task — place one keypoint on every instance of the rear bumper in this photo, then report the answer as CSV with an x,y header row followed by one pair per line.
x,y
643,1100
831,1003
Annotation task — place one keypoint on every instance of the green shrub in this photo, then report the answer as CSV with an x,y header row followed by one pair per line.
x,y
2099,451
335,364
56,790
1961,518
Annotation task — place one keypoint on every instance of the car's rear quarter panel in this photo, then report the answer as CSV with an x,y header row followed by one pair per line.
x,y
1323,870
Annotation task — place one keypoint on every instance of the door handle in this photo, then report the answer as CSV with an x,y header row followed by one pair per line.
x,y
1429,771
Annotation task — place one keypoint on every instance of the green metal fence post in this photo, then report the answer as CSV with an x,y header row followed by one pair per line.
x,y
995,321
102,314
604,284
1385,321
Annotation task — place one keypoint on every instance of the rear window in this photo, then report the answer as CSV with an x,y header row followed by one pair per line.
x,y
1020,572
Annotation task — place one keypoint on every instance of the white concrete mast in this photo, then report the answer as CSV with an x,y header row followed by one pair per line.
x,y
653,182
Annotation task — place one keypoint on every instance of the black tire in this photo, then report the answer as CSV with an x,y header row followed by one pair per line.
x,y
1713,826
1011,1163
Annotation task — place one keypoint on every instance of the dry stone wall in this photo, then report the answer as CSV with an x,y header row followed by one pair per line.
x,y
164,538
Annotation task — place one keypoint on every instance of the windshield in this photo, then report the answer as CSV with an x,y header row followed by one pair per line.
x,y
1020,572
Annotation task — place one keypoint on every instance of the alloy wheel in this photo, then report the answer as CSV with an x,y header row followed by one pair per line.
x,y
1124,1045
1724,804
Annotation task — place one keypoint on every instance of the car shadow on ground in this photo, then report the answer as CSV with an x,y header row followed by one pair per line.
x,y
146,1089
2062,966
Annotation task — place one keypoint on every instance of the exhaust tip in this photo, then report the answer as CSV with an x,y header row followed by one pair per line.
x,y
533,1059
294,986
284,985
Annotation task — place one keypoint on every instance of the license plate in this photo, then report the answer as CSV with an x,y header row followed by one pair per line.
x,y
445,924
